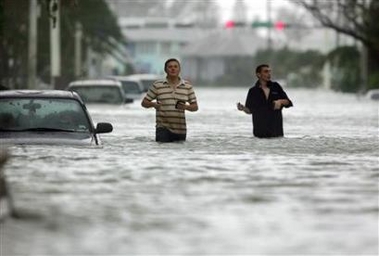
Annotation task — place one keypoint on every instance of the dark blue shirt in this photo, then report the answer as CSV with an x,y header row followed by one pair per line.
x,y
267,122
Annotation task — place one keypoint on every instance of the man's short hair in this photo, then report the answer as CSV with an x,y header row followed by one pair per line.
x,y
259,68
168,61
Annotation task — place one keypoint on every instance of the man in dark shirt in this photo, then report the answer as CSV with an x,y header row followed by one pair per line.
x,y
265,101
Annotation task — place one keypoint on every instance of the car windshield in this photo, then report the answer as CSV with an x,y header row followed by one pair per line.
x,y
130,87
42,114
99,94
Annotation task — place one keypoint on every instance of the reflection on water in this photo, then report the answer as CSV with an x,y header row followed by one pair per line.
x,y
220,192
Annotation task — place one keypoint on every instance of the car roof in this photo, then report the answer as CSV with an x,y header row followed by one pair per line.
x,y
95,82
145,76
124,78
39,94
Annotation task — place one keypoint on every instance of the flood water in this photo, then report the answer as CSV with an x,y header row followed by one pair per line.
x,y
221,192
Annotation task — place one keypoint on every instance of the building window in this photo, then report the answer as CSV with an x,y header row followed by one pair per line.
x,y
165,48
146,48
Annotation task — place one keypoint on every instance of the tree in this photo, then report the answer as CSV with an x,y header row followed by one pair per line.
x,y
355,18
345,68
296,19
298,68
100,29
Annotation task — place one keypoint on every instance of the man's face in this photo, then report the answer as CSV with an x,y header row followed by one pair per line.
x,y
265,74
173,68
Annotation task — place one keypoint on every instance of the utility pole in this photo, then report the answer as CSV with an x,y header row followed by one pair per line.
x,y
338,21
32,44
55,41
269,29
269,33
90,57
78,49
364,68
364,61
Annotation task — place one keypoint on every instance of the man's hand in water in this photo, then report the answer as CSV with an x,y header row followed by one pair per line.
x,y
240,107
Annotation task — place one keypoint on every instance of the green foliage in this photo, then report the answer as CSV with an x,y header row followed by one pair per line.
x,y
345,69
299,69
2,18
13,41
99,23
373,81
360,21
100,30
373,66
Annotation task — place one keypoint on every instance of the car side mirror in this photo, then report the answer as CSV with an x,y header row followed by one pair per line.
x,y
128,100
103,128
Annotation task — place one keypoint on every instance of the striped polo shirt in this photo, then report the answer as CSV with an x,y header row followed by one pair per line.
x,y
168,116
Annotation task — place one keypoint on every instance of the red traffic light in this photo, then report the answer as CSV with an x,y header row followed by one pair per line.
x,y
235,24
279,25
229,24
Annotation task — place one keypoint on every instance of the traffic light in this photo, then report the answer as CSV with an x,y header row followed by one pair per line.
x,y
278,25
233,24
229,24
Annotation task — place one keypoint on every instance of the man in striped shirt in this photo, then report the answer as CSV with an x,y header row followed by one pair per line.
x,y
171,97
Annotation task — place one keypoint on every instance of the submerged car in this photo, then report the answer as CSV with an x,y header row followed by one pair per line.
x,y
47,117
102,91
373,94
133,87
146,79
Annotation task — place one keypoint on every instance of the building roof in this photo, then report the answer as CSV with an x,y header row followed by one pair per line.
x,y
226,43
181,35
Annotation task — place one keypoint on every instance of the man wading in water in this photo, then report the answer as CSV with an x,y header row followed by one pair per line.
x,y
265,101
173,96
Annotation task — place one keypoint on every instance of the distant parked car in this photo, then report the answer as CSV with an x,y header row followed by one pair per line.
x,y
133,88
107,91
146,79
373,94
47,117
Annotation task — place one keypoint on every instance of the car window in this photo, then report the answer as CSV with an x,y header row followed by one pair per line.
x,y
99,94
131,87
25,113
147,83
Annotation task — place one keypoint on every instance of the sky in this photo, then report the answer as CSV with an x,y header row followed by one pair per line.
x,y
256,8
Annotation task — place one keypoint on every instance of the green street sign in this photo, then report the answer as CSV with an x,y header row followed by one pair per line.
x,y
263,24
